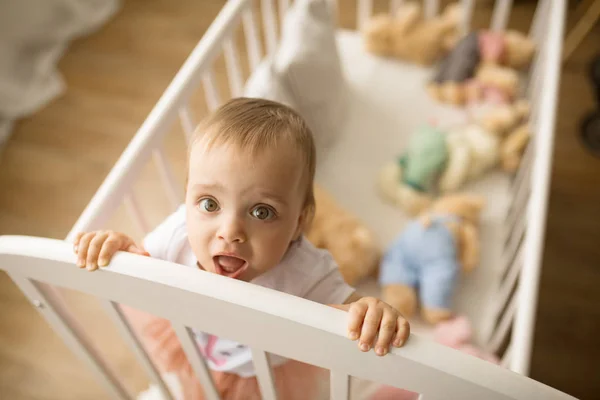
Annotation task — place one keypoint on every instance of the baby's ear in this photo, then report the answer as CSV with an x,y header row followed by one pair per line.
x,y
304,221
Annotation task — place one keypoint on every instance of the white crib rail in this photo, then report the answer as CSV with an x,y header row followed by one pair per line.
x,y
543,140
226,304
516,297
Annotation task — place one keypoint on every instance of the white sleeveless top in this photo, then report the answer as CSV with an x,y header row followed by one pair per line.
x,y
305,271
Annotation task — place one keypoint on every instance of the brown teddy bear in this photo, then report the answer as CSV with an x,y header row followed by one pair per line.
x,y
498,135
510,123
483,66
407,36
444,159
489,83
430,253
512,149
351,244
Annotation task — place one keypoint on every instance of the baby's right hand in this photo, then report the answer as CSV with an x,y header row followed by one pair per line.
x,y
95,249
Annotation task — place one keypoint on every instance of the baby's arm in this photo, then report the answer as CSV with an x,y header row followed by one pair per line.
x,y
371,318
96,248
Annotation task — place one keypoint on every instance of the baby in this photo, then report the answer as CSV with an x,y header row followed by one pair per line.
x,y
249,198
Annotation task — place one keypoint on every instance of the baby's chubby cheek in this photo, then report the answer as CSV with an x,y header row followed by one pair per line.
x,y
200,244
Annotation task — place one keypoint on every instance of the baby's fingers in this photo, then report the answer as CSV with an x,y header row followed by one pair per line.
x,y
357,315
387,330
402,333
137,250
82,248
370,327
94,250
111,245
76,241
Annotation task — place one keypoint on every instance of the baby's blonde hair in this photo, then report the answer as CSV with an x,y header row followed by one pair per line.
x,y
256,125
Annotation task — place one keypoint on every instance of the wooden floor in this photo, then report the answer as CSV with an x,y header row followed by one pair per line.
x,y
56,159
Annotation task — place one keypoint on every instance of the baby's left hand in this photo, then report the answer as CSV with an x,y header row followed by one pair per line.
x,y
371,318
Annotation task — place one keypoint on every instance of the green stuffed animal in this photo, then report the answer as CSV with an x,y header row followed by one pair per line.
x,y
410,181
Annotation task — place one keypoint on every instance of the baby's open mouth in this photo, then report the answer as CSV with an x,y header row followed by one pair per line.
x,y
229,266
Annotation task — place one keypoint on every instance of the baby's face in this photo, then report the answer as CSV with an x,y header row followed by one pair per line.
x,y
243,211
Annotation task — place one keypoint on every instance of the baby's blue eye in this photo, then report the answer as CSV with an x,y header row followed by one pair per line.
x,y
263,213
209,205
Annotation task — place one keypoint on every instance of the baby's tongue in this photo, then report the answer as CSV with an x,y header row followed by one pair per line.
x,y
230,264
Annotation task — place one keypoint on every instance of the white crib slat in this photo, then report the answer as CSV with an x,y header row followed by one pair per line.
x,y
511,226
502,295
167,177
542,169
537,66
500,15
532,91
513,239
524,171
539,17
270,25
234,72
431,8
114,311
187,122
252,39
534,88
340,386
507,358
507,284
503,326
211,93
519,202
283,7
467,8
133,208
365,8
264,374
188,343
66,326
520,195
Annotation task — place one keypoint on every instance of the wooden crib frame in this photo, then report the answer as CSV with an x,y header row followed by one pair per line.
x,y
36,265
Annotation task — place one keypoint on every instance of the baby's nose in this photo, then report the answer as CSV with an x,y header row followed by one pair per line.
x,y
233,231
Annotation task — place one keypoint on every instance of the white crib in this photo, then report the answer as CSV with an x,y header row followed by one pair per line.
x,y
501,299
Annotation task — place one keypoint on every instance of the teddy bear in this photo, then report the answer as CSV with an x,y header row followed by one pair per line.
x,y
443,159
430,254
409,181
513,148
498,135
351,244
408,36
482,66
